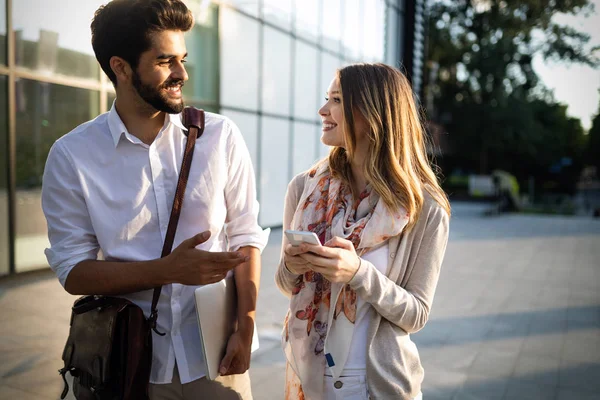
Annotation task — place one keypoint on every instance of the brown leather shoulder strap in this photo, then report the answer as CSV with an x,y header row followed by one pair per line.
x,y
193,120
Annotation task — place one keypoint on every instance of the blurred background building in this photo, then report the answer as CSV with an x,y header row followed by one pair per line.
x,y
264,63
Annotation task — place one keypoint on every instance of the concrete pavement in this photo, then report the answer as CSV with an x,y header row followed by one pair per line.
x,y
516,316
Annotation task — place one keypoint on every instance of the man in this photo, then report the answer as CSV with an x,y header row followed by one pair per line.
x,y
109,186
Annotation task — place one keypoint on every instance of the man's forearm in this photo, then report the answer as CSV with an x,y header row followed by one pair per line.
x,y
115,277
247,281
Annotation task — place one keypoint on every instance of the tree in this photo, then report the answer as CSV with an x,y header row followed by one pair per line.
x,y
485,91
592,155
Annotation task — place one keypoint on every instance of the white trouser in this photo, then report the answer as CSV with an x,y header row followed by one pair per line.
x,y
349,388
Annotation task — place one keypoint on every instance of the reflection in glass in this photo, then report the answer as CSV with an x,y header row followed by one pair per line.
x,y
304,147
392,38
4,238
374,30
331,24
202,44
248,126
45,112
274,169
400,37
239,60
329,65
53,39
352,39
2,40
248,6
306,89
110,97
276,72
278,12
307,19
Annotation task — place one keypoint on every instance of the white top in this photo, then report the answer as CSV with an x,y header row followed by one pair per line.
x,y
106,190
356,362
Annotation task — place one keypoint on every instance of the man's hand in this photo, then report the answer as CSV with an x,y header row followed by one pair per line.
x,y
292,260
190,266
237,356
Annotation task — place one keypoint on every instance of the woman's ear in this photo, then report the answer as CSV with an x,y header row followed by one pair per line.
x,y
121,68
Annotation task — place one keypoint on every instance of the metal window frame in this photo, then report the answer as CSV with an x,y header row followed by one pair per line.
x,y
12,147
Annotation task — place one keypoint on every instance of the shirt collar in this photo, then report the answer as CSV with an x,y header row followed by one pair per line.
x,y
175,119
117,127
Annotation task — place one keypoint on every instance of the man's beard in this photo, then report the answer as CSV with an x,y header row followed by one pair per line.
x,y
154,96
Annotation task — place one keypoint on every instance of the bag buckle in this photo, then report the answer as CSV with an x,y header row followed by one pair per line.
x,y
62,372
152,319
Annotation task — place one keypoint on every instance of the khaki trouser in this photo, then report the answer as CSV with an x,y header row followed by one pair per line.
x,y
231,387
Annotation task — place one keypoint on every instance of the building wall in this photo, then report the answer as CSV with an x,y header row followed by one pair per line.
x,y
265,63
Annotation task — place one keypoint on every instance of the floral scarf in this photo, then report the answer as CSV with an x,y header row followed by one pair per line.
x,y
316,334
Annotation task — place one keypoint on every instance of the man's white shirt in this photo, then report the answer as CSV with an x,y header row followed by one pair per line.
x,y
106,190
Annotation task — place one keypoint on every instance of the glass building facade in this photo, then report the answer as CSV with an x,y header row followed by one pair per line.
x,y
266,64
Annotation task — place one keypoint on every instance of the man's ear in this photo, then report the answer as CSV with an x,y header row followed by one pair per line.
x,y
121,68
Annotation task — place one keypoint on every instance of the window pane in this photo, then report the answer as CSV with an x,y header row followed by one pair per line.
x,y
331,24
392,38
278,12
45,112
239,60
304,146
374,30
110,98
248,126
202,44
307,19
276,72
352,39
248,6
3,33
305,82
274,170
400,38
4,238
329,65
54,39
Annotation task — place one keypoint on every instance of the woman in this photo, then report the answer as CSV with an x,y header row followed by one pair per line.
x,y
382,217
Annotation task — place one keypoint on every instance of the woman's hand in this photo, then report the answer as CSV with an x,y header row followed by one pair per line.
x,y
336,260
293,261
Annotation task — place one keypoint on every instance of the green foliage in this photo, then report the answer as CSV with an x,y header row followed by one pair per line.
x,y
592,152
486,93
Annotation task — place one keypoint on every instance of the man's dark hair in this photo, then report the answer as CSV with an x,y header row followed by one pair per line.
x,y
123,28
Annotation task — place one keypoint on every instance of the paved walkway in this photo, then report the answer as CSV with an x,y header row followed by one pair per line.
x,y
516,316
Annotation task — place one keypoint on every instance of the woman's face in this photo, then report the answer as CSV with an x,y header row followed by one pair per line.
x,y
333,120
332,116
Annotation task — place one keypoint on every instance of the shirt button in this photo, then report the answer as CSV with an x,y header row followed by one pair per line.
x,y
338,384
392,254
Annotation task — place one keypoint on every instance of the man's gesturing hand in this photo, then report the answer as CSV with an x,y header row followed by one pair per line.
x,y
190,266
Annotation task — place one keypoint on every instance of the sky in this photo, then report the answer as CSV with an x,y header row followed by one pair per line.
x,y
575,85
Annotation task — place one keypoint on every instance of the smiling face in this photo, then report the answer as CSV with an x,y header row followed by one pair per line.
x,y
160,74
332,115
334,126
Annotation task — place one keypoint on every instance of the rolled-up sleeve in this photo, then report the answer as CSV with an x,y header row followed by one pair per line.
x,y
70,230
241,227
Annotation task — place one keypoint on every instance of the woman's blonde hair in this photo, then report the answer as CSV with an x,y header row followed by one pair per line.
x,y
397,165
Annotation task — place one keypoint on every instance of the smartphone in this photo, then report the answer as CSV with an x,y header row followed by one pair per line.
x,y
297,237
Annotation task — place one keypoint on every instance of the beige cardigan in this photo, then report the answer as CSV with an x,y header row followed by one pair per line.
x,y
402,297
